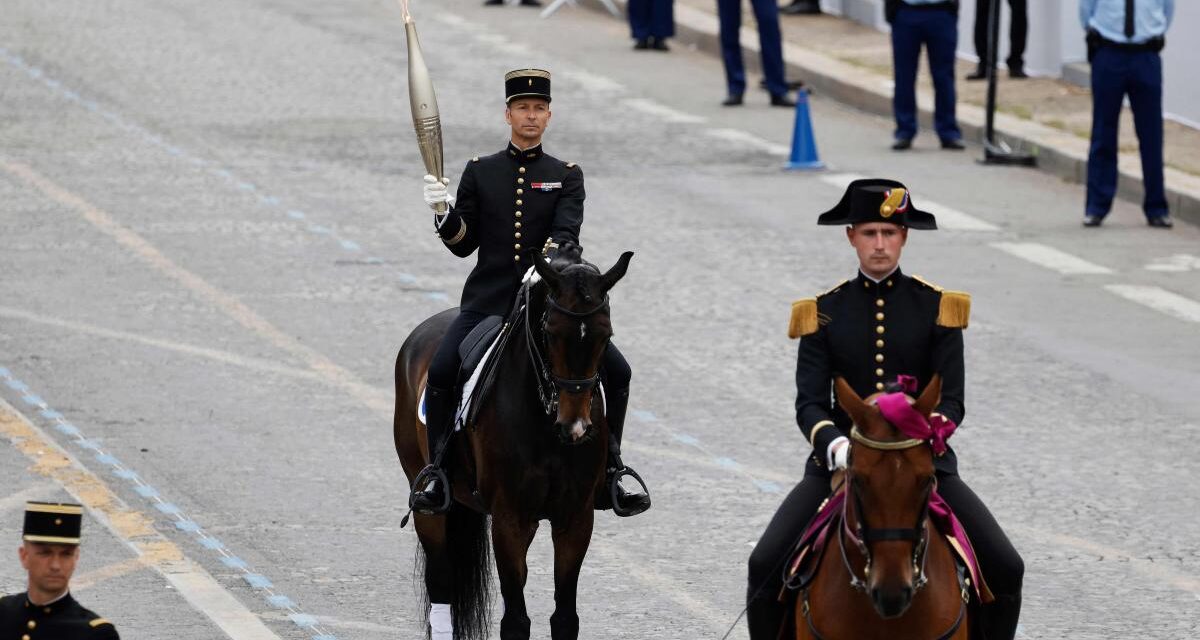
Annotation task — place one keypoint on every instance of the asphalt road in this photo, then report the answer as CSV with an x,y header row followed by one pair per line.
x,y
212,243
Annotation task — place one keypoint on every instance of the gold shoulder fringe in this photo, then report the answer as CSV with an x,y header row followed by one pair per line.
x,y
98,621
804,318
954,310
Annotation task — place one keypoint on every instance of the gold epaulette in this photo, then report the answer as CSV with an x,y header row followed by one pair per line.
x,y
99,621
954,311
804,318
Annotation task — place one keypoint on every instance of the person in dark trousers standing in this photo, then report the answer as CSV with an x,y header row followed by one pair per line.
x,y
770,42
652,22
1018,33
869,330
509,202
49,551
1124,39
933,24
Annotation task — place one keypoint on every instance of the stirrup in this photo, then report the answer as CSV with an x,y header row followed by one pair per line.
x,y
614,489
427,476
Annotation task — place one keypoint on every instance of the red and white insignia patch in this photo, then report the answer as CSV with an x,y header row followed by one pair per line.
x,y
545,186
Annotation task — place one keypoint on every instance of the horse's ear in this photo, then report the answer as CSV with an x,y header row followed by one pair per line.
x,y
850,402
930,397
610,278
543,268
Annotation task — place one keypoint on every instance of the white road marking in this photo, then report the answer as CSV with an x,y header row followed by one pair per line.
x,y
947,217
132,528
1159,299
1051,258
662,111
737,136
1177,263
226,357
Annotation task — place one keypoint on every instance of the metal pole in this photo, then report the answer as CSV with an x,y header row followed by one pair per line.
x,y
997,152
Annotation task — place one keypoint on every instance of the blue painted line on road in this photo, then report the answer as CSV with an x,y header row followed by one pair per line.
x,y
147,491
5,372
233,562
303,620
126,474
88,444
351,245
108,459
50,414
295,215
319,229
728,463
167,508
406,278
257,581
766,486
440,296
280,602
187,525
34,400
210,542
644,416
686,439
17,385
66,428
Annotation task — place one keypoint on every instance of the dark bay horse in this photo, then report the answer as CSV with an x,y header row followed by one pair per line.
x,y
889,574
536,452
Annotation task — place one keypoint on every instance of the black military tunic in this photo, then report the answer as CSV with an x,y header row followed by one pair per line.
x,y
64,619
508,203
869,333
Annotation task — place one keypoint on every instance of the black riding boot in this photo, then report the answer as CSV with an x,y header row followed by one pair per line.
x,y
623,503
998,620
431,488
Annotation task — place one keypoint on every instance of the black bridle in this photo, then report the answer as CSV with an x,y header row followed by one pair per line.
x,y
550,384
864,535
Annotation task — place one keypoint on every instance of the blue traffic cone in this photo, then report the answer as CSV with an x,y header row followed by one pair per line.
x,y
804,144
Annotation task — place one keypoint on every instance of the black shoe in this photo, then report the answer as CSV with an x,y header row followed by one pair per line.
x,y
902,144
642,43
980,73
1017,71
531,3
781,101
434,498
733,100
493,3
801,8
659,44
953,144
1162,222
792,85
625,503
1092,220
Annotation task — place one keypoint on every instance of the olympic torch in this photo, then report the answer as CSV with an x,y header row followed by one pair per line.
x,y
427,122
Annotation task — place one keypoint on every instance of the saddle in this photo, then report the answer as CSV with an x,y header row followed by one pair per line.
x,y
805,558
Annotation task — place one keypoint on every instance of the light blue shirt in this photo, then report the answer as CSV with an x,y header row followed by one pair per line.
x,y
1150,20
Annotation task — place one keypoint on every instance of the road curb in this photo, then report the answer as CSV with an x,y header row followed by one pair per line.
x,y
1059,153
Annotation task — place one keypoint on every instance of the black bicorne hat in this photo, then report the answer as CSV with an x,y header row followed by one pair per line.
x,y
52,522
526,83
878,200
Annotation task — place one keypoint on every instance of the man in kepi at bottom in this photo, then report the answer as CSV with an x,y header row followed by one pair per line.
x,y
49,551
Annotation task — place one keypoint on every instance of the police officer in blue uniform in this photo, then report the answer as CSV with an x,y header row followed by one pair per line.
x,y
770,43
652,22
1124,40
868,330
49,551
934,24
517,199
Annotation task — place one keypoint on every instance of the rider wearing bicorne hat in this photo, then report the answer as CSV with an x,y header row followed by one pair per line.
x,y
869,330
518,199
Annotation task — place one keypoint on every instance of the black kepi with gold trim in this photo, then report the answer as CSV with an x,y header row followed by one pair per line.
x,y
878,200
52,522
526,83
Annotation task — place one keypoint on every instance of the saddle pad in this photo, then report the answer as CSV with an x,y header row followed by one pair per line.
x,y
468,389
805,557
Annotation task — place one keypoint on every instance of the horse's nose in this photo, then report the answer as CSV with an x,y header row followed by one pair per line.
x,y
574,431
892,603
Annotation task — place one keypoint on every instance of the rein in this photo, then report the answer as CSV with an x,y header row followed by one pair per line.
x,y
549,384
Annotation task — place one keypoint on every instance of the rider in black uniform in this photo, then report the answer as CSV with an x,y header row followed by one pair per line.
x,y
868,330
509,202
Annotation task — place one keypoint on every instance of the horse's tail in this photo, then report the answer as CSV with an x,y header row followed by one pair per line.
x,y
470,559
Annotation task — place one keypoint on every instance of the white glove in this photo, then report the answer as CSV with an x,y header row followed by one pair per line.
x,y
437,193
839,453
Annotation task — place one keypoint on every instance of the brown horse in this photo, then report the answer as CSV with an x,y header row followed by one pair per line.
x,y
536,451
889,574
